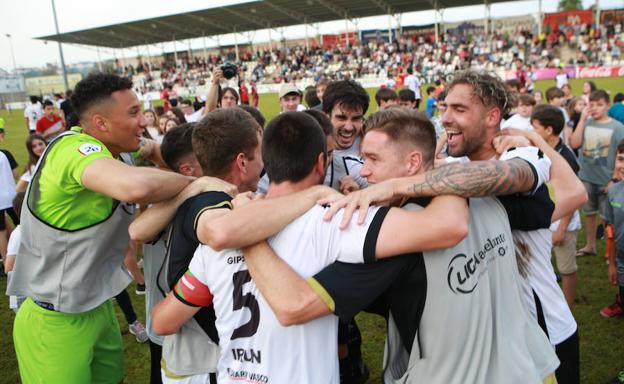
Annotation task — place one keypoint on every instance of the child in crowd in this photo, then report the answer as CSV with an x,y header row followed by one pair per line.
x,y
556,97
431,102
597,136
386,97
407,98
13,247
615,233
522,118
547,121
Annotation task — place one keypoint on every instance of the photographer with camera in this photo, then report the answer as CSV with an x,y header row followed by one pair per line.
x,y
222,98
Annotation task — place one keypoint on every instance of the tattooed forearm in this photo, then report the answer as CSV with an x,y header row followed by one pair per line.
x,y
477,178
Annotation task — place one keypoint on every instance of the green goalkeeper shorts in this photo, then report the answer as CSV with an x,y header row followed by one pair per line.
x,y
55,347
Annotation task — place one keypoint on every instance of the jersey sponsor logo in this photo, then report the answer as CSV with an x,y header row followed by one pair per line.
x,y
248,377
465,271
249,355
88,148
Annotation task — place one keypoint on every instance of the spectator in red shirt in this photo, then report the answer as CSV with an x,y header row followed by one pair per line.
x,y
50,124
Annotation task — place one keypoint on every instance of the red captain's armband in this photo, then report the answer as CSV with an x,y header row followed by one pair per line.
x,y
193,292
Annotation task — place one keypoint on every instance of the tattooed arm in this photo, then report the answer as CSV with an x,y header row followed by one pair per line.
x,y
473,179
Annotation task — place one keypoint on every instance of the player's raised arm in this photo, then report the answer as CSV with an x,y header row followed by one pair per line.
x,y
568,188
140,185
442,224
289,295
259,220
151,222
474,179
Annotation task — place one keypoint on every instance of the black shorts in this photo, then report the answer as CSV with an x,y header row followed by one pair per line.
x,y
11,214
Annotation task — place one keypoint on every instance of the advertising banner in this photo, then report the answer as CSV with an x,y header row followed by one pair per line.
x,y
330,41
376,35
11,85
567,18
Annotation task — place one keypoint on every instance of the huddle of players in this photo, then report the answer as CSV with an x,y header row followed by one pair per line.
x,y
252,310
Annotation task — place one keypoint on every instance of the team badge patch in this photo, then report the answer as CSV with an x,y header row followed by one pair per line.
x,y
88,148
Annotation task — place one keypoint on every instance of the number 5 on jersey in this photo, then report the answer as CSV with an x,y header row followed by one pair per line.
x,y
241,301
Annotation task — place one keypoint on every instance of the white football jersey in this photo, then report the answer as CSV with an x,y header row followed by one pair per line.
x,y
255,348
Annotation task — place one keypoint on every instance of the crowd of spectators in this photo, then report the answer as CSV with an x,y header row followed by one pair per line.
x,y
467,46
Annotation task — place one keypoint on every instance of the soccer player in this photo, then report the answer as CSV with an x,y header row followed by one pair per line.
x,y
345,102
226,145
50,124
177,152
74,237
294,155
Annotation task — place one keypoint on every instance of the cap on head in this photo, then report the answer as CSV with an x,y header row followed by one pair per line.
x,y
287,89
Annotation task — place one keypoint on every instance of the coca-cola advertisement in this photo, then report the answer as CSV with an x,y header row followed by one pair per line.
x,y
617,71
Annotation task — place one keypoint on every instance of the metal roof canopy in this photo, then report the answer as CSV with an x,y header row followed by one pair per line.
x,y
244,17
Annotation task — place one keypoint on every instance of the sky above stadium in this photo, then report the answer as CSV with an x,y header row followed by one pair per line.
x,y
26,19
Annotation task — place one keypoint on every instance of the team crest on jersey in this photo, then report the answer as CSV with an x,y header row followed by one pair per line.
x,y
88,148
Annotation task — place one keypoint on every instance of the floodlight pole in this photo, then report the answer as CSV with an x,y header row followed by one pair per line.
x,y
270,40
8,35
598,15
65,82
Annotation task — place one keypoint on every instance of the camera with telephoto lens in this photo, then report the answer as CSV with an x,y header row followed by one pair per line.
x,y
229,70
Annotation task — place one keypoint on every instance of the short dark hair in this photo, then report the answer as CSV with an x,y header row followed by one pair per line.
x,y
430,90
187,102
618,98
600,95
489,88
323,120
553,92
620,146
255,113
310,98
48,103
404,125
225,90
549,116
346,92
159,110
96,88
322,82
176,144
33,99
178,114
385,94
220,136
407,95
290,147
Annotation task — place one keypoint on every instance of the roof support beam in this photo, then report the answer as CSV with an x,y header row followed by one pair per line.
x,y
337,10
214,23
383,6
251,19
298,17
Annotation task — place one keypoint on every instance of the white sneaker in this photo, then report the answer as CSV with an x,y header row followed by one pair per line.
x,y
139,332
